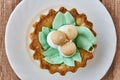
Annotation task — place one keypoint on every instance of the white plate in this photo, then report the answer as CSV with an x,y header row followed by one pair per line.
x,y
19,26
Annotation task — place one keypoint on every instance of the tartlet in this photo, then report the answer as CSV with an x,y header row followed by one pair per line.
x,y
47,20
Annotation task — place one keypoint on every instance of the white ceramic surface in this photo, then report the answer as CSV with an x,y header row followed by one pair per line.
x,y
20,25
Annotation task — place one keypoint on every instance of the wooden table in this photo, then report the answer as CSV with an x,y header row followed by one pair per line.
x,y
7,6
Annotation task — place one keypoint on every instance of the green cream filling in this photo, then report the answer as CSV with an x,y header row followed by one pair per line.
x,y
53,56
84,40
84,31
69,19
63,19
59,20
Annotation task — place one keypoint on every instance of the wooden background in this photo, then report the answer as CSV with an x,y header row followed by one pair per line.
x,y
7,6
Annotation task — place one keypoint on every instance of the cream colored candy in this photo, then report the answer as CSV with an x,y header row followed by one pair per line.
x,y
70,31
58,37
68,49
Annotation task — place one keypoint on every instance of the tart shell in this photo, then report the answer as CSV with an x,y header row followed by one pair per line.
x,y
46,20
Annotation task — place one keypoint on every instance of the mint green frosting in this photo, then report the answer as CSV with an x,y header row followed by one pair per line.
x,y
63,19
69,61
77,56
69,18
53,56
51,51
86,32
83,43
59,20
84,40
42,40
46,30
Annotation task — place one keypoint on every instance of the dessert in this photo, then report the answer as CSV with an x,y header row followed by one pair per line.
x,y
63,40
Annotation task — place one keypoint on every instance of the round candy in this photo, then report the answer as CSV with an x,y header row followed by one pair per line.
x,y
59,37
70,31
68,49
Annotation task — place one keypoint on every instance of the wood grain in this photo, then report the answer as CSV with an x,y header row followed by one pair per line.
x,y
113,7
7,6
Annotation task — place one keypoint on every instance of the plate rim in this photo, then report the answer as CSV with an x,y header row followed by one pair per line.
x,y
19,5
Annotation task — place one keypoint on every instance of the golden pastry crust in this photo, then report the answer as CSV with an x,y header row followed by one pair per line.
x,y
46,20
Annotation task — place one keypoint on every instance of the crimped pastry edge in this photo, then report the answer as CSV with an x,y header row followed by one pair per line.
x,y
46,20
